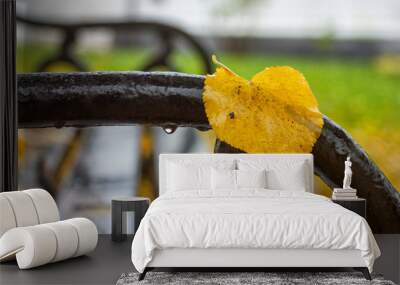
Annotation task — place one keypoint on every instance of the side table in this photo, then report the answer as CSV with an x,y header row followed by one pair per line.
x,y
357,205
119,206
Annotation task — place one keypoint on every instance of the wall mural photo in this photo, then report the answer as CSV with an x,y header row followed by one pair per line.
x,y
149,124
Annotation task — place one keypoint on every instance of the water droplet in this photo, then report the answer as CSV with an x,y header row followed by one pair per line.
x,y
169,129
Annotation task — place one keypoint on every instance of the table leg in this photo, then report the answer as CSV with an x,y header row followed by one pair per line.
x,y
140,211
117,222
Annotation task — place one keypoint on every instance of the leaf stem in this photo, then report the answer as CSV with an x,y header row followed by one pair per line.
x,y
220,64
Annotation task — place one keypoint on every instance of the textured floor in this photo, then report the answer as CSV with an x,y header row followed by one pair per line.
x,y
110,259
102,266
243,278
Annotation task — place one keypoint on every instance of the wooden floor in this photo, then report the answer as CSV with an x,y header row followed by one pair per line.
x,y
103,266
110,259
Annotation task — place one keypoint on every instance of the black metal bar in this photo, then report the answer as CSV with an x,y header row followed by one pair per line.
x,y
175,99
383,200
110,98
8,98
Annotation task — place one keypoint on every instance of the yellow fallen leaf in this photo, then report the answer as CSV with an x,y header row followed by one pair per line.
x,y
275,112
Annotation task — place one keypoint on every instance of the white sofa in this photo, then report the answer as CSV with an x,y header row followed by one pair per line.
x,y
31,231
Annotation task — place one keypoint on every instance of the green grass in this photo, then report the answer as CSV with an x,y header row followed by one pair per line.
x,y
350,92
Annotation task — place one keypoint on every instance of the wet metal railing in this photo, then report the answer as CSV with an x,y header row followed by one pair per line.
x,y
172,100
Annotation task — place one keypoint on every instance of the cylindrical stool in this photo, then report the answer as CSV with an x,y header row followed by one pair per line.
x,y
119,206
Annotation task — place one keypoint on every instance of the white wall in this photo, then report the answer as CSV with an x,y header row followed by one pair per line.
x,y
285,18
264,18
71,11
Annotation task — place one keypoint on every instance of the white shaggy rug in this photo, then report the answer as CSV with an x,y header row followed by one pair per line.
x,y
243,278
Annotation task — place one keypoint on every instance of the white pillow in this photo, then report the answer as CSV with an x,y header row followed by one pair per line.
x,y
223,179
282,174
251,178
292,179
188,177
